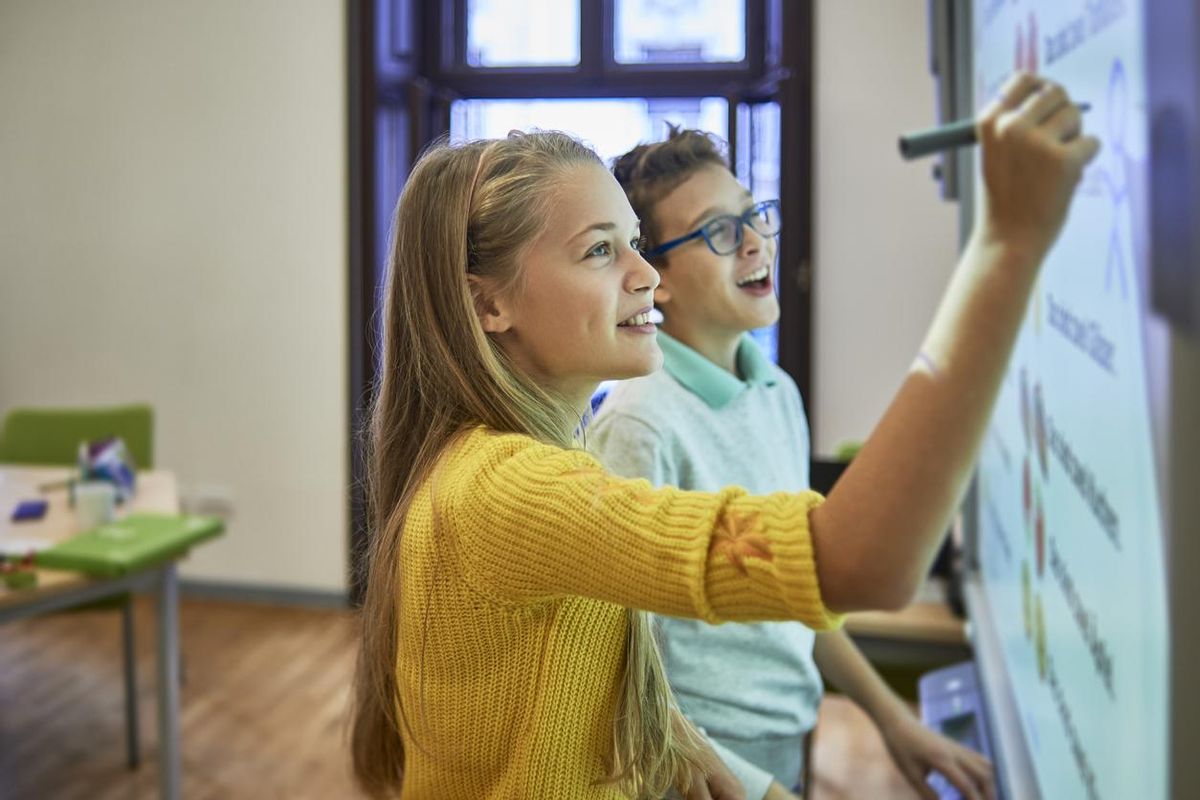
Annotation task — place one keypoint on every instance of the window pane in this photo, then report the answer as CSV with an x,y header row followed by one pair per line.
x,y
679,31
611,127
756,165
522,33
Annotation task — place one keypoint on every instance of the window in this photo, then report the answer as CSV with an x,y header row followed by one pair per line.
x,y
610,71
509,33
612,126
756,164
679,31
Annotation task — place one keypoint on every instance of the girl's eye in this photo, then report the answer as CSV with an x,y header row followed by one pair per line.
x,y
638,244
601,249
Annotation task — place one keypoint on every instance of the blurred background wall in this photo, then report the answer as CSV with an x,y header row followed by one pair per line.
x,y
173,230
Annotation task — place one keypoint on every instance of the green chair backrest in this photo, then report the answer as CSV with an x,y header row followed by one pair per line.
x,y
52,435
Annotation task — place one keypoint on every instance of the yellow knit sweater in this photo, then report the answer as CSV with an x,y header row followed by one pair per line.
x,y
512,606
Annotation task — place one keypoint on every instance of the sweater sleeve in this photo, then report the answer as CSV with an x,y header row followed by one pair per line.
x,y
534,523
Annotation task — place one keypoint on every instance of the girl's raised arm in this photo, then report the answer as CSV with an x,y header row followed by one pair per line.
x,y
535,523
880,527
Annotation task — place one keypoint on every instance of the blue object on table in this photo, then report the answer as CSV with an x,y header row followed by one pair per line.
x,y
108,459
29,510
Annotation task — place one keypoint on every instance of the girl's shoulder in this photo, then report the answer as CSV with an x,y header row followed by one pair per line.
x,y
482,440
484,450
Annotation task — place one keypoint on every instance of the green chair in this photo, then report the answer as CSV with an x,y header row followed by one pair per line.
x,y
52,436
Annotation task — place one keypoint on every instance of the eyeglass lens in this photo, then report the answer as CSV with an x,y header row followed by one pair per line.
x,y
725,233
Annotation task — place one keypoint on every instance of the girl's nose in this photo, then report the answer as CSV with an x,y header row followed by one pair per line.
x,y
641,277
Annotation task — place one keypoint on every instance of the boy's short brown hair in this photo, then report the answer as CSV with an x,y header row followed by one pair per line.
x,y
650,172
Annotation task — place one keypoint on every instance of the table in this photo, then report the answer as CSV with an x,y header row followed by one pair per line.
x,y
57,590
904,645
927,620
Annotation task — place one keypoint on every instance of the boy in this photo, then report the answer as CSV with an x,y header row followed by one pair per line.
x,y
720,413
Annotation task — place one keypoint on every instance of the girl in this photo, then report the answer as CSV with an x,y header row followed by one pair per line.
x,y
505,653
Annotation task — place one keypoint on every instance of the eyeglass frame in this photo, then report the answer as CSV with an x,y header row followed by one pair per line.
x,y
743,218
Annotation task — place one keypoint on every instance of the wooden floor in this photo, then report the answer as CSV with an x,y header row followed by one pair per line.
x,y
263,704
263,710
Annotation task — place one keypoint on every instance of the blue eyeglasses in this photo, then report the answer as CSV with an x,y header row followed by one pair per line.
x,y
723,234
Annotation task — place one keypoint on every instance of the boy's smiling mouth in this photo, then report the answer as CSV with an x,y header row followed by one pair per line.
x,y
757,282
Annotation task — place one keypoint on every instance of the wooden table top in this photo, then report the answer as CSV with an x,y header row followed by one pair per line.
x,y
156,491
920,622
927,619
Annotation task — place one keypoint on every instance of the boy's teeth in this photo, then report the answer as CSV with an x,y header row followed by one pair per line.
x,y
636,320
755,276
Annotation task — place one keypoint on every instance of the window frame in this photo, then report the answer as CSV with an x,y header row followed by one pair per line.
x,y
598,73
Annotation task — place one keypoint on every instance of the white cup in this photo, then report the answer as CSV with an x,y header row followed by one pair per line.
x,y
95,503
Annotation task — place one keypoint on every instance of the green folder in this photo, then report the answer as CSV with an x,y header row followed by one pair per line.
x,y
129,544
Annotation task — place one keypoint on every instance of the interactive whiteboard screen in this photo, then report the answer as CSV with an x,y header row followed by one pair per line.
x,y
1069,522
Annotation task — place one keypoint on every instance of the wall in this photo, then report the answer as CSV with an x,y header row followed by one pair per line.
x,y
172,230
884,242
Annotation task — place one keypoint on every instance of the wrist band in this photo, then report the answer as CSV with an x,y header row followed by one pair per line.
x,y
923,358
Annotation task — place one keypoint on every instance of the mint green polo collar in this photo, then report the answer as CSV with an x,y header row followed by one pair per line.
x,y
716,387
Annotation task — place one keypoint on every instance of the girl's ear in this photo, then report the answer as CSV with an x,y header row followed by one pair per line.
x,y
493,313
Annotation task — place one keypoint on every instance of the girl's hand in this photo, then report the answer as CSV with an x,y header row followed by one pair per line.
x,y
712,780
1033,155
776,792
917,751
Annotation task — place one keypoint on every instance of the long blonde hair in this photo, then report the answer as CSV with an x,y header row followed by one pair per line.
x,y
473,209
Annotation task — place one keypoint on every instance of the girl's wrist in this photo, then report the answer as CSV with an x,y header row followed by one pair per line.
x,y
1013,252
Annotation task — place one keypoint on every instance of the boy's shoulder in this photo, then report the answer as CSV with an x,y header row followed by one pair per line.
x,y
654,400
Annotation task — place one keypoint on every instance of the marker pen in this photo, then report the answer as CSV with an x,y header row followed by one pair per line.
x,y
944,137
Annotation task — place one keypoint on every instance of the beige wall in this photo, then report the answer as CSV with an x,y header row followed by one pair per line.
x,y
884,243
172,229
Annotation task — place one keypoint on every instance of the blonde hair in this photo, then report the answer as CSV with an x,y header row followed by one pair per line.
x,y
473,209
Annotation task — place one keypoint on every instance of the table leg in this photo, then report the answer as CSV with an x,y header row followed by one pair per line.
x,y
132,746
168,682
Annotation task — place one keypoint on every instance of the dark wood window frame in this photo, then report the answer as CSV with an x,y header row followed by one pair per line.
x,y
400,89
